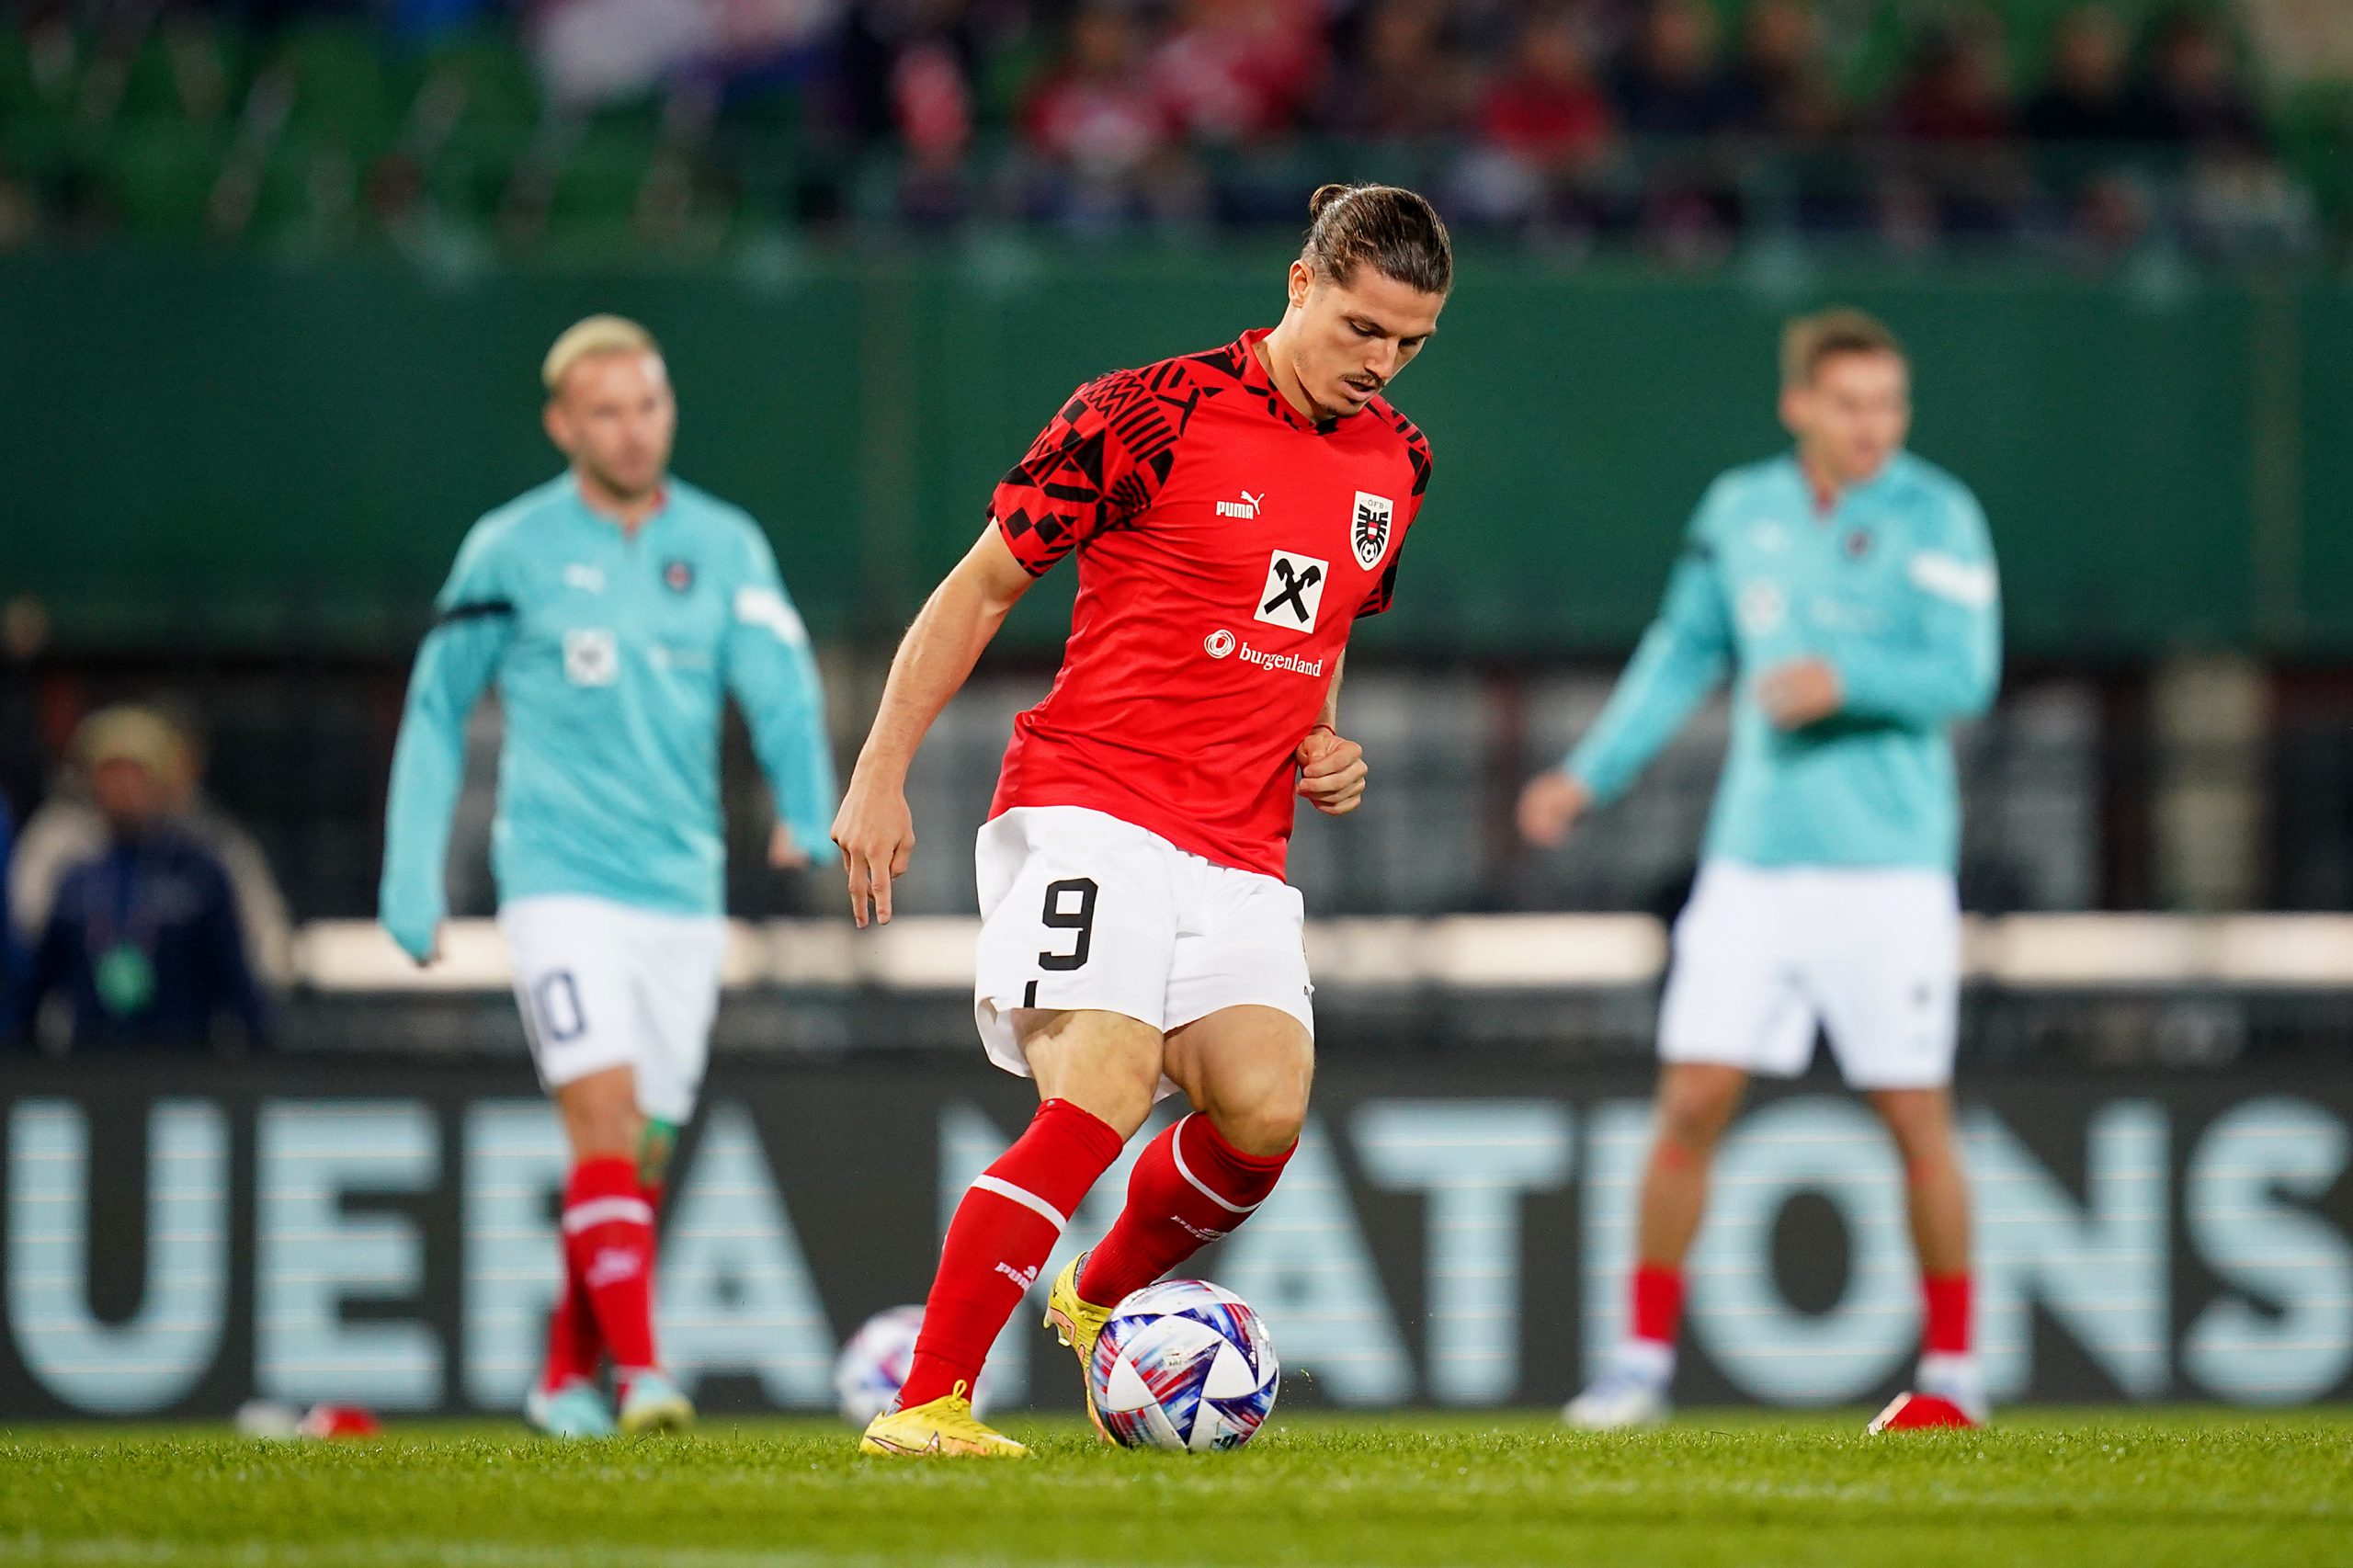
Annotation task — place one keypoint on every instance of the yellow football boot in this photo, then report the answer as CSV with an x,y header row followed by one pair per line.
x,y
944,1429
653,1403
1078,1323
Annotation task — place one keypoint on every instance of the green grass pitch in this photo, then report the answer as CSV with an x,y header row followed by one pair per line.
x,y
2137,1488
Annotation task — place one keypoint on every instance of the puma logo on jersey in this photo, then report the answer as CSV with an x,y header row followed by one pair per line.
x,y
1245,509
1025,1278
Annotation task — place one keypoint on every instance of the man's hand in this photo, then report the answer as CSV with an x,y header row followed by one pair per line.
x,y
785,853
1802,692
877,834
422,944
1551,805
1331,771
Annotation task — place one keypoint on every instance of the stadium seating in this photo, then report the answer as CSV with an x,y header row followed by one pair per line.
x,y
334,131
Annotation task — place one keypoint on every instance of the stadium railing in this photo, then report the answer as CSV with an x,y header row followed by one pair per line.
x,y
2019,952
2137,992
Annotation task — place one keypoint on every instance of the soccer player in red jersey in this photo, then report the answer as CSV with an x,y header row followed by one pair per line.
x,y
1233,513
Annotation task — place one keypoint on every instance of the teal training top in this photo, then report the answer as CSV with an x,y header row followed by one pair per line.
x,y
1897,587
614,654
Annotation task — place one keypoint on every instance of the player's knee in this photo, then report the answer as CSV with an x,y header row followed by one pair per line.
x,y
600,1114
1119,1094
1686,1135
1107,1066
1261,1111
1266,1126
1123,1102
1692,1117
1920,1122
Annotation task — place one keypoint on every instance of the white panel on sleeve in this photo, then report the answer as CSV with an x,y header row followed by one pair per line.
x,y
755,606
1966,583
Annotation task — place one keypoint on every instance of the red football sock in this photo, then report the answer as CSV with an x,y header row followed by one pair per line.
x,y
608,1240
1657,1303
1190,1187
1946,1331
1002,1234
575,1348
575,1345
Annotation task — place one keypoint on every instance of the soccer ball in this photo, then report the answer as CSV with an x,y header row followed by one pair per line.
x,y
1184,1365
871,1367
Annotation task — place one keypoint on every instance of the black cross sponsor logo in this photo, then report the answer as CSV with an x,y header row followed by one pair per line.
x,y
1293,592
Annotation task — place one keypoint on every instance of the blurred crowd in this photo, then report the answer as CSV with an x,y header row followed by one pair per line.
x,y
1597,115
1680,122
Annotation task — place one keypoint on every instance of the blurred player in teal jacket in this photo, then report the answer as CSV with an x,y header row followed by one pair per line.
x,y
1848,594
616,608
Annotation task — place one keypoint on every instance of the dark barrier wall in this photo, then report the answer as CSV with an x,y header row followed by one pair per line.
x,y
240,452
178,1238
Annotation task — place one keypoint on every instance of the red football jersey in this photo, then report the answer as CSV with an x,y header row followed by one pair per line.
x,y
1226,545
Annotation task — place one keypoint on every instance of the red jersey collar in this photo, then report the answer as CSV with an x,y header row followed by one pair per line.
x,y
1256,376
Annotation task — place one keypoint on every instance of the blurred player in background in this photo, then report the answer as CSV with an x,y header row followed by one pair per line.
x,y
616,607
1234,512
1848,591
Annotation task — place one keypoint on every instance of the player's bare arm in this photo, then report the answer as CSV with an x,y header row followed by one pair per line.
x,y
1332,768
875,829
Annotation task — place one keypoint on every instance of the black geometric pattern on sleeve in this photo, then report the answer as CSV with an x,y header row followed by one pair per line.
x,y
1232,365
1097,464
1417,453
1417,449
1384,592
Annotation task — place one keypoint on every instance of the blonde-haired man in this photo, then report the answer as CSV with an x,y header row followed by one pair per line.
x,y
617,608
1848,590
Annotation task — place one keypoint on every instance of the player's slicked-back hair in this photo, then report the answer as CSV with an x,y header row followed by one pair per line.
x,y
1809,341
589,339
1391,229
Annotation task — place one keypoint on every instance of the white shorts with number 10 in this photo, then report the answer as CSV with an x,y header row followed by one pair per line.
x,y
1763,955
1079,909
603,984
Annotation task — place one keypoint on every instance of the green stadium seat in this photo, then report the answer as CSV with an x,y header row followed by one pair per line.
x,y
160,176
500,93
469,175
2315,131
305,189
343,95
35,86
602,176
188,68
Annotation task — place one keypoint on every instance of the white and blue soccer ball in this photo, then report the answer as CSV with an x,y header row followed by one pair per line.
x,y
1184,1365
873,1365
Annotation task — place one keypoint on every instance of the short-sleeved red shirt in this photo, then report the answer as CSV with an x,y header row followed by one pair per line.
x,y
1225,544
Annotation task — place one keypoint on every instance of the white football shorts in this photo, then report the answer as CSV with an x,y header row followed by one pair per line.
x,y
1079,909
1869,955
603,984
